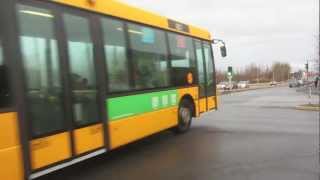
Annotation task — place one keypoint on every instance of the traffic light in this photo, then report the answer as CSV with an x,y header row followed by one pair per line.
x,y
230,69
307,66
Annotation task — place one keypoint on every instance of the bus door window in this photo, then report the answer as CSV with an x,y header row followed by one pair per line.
x,y
211,91
82,70
201,69
40,59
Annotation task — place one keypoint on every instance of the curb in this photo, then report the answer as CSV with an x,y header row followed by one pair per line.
x,y
306,108
243,90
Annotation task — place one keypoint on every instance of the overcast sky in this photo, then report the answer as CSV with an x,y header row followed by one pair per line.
x,y
259,31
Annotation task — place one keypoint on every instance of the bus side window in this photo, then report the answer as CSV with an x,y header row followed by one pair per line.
x,y
116,55
210,69
183,60
4,84
150,57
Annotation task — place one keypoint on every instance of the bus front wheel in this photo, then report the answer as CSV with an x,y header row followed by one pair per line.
x,y
185,112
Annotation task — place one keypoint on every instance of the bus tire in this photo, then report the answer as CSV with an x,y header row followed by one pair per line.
x,y
185,112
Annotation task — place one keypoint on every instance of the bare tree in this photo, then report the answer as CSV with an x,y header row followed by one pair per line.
x,y
255,73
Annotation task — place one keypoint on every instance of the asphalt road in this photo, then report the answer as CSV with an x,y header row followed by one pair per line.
x,y
255,135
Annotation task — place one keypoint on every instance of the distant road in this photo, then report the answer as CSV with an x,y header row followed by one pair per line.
x,y
255,135
251,87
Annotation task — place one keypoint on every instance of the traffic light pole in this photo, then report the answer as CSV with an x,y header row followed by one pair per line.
x,y
230,74
307,70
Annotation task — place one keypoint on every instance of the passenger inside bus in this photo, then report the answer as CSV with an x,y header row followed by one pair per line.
x,y
4,87
4,84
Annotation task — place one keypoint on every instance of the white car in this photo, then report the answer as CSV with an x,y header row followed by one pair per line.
x,y
273,83
243,84
222,85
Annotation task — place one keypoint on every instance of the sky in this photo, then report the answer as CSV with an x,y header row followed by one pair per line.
x,y
255,31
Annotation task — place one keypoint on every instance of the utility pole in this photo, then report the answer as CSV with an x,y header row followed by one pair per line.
x,y
307,69
273,76
258,78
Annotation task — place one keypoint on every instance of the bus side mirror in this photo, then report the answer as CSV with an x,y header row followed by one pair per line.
x,y
223,48
223,51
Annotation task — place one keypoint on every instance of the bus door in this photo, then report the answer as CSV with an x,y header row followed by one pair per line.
x,y
49,137
202,77
87,99
210,77
207,91
61,95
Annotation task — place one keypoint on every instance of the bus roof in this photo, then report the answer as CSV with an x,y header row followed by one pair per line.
x,y
121,10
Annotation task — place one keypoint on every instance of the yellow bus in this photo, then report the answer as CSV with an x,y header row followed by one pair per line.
x,y
79,78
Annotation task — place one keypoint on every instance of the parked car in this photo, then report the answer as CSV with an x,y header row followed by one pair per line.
x,y
243,84
222,85
293,83
234,85
296,83
273,83
300,82
230,86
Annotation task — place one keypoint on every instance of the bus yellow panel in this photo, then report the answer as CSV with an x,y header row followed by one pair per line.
x,y
118,9
89,138
49,150
10,149
212,104
193,92
134,128
8,130
203,105
11,163
197,108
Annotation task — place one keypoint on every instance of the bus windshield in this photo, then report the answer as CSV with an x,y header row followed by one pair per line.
x,y
4,84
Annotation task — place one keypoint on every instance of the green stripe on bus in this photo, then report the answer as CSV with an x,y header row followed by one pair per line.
x,y
122,107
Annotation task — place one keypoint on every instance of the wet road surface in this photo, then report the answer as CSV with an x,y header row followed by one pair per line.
x,y
255,135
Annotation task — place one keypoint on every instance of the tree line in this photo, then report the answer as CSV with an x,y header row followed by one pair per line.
x,y
255,73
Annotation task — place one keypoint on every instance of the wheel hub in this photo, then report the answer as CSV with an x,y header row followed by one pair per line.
x,y
185,115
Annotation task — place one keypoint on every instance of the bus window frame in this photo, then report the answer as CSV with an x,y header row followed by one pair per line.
x,y
94,19
12,51
10,107
214,73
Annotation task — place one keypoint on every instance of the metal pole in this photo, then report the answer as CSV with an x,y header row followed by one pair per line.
x,y
307,70
273,76
230,77
258,78
310,94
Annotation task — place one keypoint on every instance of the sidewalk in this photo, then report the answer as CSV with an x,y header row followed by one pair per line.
x,y
305,89
313,99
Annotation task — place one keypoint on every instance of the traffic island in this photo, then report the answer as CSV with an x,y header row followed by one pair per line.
x,y
309,107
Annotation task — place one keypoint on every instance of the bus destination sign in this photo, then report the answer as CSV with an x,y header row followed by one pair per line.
x,y
178,26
